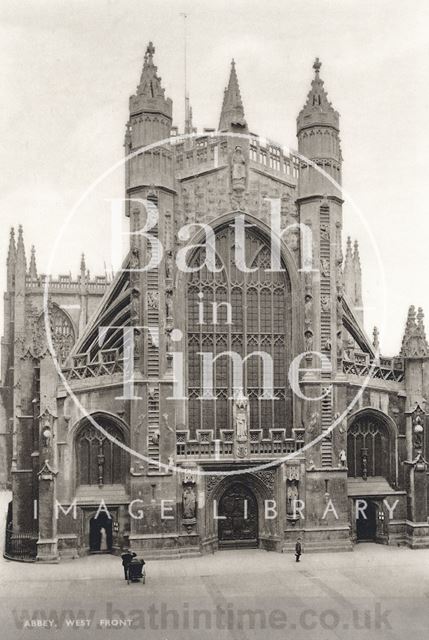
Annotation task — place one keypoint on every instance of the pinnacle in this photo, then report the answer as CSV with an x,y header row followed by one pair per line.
x,y
33,266
349,254
12,246
150,93
376,338
232,114
414,343
317,107
356,256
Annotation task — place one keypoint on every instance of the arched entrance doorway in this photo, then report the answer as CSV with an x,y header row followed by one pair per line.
x,y
366,522
101,533
238,518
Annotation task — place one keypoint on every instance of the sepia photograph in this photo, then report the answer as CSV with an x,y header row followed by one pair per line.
x,y
214,367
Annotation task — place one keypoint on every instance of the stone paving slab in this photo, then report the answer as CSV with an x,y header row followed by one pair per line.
x,y
324,597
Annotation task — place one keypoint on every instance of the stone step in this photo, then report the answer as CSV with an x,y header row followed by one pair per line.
x,y
320,547
171,554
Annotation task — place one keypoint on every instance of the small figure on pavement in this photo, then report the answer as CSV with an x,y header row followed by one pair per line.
x,y
127,556
298,549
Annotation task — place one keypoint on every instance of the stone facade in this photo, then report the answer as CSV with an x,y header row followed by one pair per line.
x,y
70,439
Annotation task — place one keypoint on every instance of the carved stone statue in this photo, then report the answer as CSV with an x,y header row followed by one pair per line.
x,y
325,302
291,497
169,303
238,170
135,258
324,267
169,264
308,309
153,299
189,502
308,340
312,426
241,419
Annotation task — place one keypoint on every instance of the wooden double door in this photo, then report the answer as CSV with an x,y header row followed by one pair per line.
x,y
238,517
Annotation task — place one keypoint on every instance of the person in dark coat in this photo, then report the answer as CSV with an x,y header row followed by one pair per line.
x,y
127,557
298,549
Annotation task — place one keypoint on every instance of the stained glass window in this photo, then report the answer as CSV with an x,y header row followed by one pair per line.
x,y
99,459
368,448
260,310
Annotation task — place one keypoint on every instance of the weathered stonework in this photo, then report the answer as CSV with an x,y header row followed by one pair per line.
x,y
50,452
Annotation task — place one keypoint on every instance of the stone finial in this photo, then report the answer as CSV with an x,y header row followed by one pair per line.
x,y
356,256
127,137
232,113
84,273
318,109
150,82
150,50
316,65
150,93
20,249
358,282
32,270
414,343
189,127
349,252
420,323
349,272
11,254
376,339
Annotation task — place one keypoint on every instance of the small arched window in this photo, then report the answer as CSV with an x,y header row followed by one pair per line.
x,y
100,460
369,448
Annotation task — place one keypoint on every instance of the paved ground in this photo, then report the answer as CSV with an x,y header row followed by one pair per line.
x,y
374,592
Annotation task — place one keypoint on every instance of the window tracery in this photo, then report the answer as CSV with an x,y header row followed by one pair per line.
x,y
261,321
99,459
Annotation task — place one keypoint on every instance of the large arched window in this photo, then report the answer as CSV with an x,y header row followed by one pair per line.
x,y
258,319
100,460
62,332
369,448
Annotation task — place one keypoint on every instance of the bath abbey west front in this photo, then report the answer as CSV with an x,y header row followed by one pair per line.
x,y
230,470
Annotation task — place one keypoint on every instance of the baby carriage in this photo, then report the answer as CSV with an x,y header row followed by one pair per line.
x,y
136,571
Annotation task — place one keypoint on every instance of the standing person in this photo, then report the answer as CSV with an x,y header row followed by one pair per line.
x,y
127,557
298,549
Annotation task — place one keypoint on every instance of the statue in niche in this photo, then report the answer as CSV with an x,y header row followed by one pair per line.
x,y
418,431
324,231
135,258
327,345
169,341
189,503
135,303
241,419
238,169
324,267
308,340
339,343
153,299
169,302
325,302
169,264
291,497
312,426
308,308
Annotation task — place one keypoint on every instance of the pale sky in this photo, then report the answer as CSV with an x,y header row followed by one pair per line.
x,y
69,66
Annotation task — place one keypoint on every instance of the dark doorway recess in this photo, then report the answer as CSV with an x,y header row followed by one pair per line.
x,y
238,518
